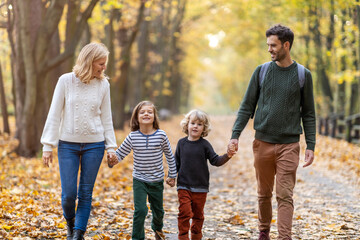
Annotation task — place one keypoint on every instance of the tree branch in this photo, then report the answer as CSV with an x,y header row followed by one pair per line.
x,y
138,22
70,49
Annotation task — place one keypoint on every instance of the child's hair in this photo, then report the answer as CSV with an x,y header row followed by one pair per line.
x,y
134,122
196,115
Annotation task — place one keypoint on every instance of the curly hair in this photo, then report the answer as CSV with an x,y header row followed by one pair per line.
x,y
134,121
196,115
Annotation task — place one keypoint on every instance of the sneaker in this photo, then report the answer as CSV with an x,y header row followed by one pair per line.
x,y
159,235
264,235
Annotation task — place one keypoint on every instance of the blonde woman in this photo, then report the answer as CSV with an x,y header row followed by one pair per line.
x,y
79,123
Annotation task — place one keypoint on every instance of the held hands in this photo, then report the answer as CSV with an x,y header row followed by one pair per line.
x,y
232,147
112,159
309,157
170,182
47,157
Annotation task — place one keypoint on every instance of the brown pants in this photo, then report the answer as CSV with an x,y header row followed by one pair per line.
x,y
280,160
191,206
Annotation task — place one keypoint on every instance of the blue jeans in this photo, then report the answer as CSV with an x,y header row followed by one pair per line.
x,y
89,157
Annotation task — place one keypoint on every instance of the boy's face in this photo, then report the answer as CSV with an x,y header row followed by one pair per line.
x,y
146,114
195,129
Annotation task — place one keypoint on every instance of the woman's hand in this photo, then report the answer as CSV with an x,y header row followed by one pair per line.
x,y
47,157
112,159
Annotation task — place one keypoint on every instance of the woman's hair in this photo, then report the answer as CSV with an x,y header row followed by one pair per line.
x,y
89,53
196,115
134,122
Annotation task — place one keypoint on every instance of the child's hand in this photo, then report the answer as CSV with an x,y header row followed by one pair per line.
x,y
231,150
112,160
170,182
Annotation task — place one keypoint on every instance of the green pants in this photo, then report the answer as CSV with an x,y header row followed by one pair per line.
x,y
154,191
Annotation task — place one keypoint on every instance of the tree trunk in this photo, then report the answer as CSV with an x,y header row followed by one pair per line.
x,y
321,68
4,112
109,36
175,54
355,86
29,26
340,104
119,91
73,11
142,60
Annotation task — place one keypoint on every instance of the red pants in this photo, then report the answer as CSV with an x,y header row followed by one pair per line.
x,y
280,160
191,206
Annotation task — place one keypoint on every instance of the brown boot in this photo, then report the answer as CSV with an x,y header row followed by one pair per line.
x,y
264,235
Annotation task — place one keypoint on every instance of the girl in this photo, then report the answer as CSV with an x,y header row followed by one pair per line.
x,y
148,143
192,153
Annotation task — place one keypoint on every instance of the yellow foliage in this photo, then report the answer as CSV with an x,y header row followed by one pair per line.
x,y
7,227
61,225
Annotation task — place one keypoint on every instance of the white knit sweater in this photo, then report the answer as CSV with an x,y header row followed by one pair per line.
x,y
79,113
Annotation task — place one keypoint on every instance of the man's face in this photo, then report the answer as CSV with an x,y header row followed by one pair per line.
x,y
276,48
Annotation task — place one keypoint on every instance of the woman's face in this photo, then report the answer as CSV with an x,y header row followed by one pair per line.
x,y
99,67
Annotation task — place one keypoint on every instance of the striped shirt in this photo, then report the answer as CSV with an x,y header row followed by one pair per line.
x,y
148,153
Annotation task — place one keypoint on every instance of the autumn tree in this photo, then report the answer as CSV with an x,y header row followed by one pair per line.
x,y
157,72
124,33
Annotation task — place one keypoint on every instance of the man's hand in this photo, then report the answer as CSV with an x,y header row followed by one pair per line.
x,y
309,157
112,159
47,157
232,147
170,182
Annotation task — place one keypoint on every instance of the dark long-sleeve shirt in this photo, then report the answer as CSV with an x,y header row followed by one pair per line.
x,y
191,163
280,106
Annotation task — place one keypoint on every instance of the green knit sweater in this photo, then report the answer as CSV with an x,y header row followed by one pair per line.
x,y
281,105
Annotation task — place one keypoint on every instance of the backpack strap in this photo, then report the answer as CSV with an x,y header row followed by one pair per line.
x,y
263,71
265,66
301,73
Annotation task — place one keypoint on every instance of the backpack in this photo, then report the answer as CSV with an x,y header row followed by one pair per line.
x,y
301,73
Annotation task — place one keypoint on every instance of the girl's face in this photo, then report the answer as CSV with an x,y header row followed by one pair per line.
x,y
146,115
98,67
195,129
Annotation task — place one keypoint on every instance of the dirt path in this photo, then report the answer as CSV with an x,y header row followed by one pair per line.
x,y
326,195
327,204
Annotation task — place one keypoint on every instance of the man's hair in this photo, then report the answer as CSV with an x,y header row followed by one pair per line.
x,y
283,33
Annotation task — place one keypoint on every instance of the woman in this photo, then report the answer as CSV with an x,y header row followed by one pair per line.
x,y
79,123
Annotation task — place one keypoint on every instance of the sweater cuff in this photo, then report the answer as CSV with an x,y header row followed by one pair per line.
x,y
235,135
47,148
310,146
171,175
110,150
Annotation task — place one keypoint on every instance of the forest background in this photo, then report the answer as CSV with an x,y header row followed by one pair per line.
x,y
179,54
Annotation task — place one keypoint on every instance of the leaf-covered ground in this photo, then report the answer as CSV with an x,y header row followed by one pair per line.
x,y
326,196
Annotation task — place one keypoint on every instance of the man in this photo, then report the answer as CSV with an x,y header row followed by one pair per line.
x,y
282,101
